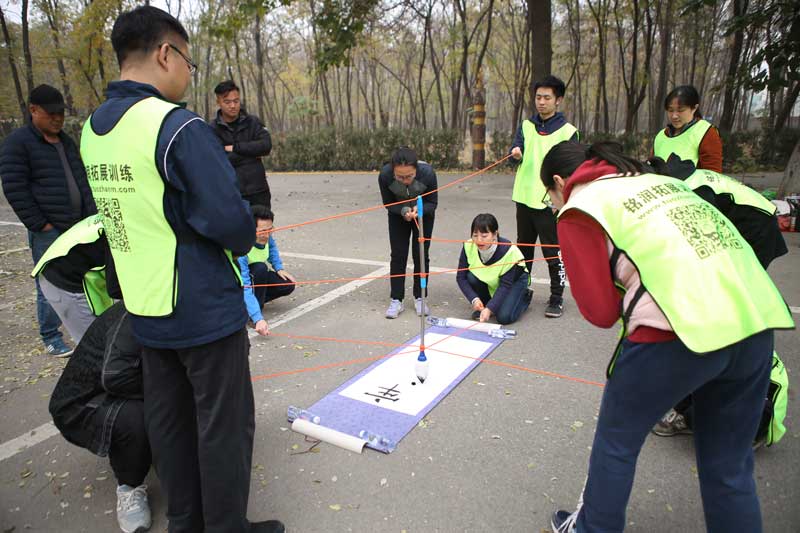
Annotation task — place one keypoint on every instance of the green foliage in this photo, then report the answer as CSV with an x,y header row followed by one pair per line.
x,y
330,149
340,23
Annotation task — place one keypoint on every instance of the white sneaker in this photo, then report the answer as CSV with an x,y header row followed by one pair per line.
x,y
395,308
133,511
418,307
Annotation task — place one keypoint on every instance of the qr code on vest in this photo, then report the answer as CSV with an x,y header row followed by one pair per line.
x,y
705,229
114,225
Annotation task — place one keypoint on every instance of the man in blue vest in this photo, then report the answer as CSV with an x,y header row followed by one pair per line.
x,y
535,219
173,217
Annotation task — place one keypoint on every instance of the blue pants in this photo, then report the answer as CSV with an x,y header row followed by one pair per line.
x,y
729,387
514,303
40,241
262,275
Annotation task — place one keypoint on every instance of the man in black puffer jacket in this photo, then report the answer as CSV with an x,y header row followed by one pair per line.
x,y
246,141
45,183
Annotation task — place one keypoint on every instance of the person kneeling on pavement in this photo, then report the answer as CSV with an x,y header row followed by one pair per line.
x,y
97,404
263,266
496,283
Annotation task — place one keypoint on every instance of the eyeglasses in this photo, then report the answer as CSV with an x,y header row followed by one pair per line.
x,y
192,66
408,177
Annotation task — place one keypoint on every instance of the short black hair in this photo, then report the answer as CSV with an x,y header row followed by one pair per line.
x,y
142,29
485,222
404,156
559,89
225,87
261,212
686,95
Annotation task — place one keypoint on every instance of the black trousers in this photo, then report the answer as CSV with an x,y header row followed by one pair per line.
x,y
259,198
200,420
129,453
262,275
541,224
401,234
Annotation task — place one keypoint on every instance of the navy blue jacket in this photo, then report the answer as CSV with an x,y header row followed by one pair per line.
x,y
544,127
34,181
205,210
424,181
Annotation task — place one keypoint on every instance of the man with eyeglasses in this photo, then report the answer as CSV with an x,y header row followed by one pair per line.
x,y
173,218
246,141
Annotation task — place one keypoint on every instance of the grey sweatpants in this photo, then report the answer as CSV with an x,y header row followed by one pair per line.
x,y
71,307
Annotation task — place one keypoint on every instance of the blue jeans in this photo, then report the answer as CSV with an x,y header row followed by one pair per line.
x,y
40,241
729,387
514,303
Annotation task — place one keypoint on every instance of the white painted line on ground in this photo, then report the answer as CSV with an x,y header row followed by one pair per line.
x,y
23,442
326,298
14,250
2,223
795,309
334,259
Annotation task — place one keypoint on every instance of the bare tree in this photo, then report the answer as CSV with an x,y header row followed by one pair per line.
x,y
13,64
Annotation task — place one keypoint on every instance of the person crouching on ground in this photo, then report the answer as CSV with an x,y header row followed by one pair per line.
x,y
497,282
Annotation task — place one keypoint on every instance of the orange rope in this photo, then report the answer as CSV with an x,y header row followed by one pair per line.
x,y
427,348
434,239
373,208
389,276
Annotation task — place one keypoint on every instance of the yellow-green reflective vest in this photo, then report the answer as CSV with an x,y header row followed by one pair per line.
x,y
685,145
86,231
129,193
722,184
491,274
258,255
691,259
528,186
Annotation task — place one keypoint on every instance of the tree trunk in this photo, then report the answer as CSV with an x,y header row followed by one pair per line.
x,y
26,47
13,64
259,65
790,184
657,113
540,19
478,131
731,80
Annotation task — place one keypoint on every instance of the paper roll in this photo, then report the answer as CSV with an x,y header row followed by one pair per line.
x,y
331,436
461,323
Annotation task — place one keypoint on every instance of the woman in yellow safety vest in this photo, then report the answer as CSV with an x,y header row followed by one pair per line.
x,y
688,135
698,314
496,283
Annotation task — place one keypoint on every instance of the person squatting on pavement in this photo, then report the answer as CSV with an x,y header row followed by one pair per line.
x,y
174,217
97,404
262,265
497,282
698,314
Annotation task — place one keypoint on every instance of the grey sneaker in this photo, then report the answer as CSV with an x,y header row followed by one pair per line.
x,y
555,307
671,424
418,307
133,511
58,348
395,308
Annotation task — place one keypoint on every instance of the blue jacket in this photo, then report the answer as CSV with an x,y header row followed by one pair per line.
x,y
544,127
250,300
34,181
205,210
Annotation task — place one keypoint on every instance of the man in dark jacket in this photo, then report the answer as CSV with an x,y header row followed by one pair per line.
x,y
97,404
45,183
246,141
172,237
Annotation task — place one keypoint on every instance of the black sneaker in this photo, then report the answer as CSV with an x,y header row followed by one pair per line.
x,y
269,526
555,308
